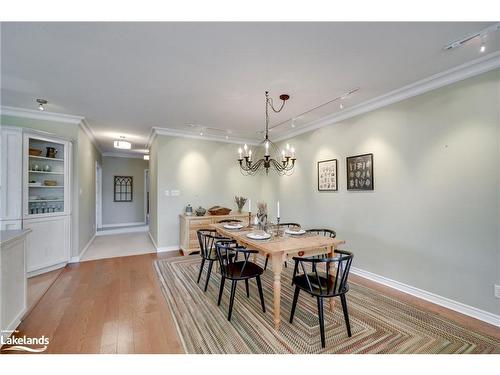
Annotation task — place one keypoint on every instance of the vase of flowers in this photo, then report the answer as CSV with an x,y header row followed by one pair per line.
x,y
240,202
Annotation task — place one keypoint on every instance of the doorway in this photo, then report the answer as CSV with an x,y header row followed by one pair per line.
x,y
98,195
146,196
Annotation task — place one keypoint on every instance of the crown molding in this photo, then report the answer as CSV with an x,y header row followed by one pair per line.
x,y
53,116
90,133
185,134
123,155
41,115
448,77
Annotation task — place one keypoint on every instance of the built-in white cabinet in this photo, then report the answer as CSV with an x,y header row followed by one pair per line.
x,y
48,243
11,164
13,281
46,201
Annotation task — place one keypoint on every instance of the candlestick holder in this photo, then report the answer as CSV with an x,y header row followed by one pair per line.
x,y
278,230
249,220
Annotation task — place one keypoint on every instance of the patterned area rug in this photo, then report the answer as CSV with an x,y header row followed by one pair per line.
x,y
379,323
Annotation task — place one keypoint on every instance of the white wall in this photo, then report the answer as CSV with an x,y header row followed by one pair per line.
x,y
205,172
87,157
122,212
433,219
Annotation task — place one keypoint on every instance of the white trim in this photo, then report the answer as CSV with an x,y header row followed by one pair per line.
x,y
152,240
90,133
123,224
122,155
456,74
41,115
208,137
137,229
460,307
46,269
76,259
53,116
164,249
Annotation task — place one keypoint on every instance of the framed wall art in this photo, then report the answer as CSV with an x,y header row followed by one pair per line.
x,y
123,189
360,172
327,175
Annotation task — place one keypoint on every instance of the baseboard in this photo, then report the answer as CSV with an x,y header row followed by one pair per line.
x,y
460,307
143,228
152,239
46,269
123,224
77,258
163,248
167,248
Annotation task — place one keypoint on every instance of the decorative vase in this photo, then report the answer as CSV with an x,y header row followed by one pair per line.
x,y
240,202
189,210
262,215
200,211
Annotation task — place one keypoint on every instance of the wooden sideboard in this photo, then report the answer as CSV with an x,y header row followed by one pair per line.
x,y
190,224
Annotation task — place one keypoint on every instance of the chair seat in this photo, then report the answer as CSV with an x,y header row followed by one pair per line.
x,y
234,270
326,285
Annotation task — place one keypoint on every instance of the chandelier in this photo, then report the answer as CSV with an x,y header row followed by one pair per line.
x,y
283,162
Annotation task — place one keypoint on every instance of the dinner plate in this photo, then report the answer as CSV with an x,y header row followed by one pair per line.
x,y
233,226
295,232
258,236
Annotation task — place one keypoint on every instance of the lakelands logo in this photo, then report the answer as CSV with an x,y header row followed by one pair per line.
x,y
23,343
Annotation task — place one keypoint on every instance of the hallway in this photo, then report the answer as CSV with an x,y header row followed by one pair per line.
x,y
119,245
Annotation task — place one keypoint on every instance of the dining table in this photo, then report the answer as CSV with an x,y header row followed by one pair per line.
x,y
279,247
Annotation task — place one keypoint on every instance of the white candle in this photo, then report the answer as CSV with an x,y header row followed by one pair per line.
x,y
245,147
239,152
283,153
250,155
278,209
267,148
249,205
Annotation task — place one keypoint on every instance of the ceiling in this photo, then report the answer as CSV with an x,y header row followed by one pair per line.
x,y
126,78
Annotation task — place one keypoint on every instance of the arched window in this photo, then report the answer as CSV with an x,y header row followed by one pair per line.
x,y
123,189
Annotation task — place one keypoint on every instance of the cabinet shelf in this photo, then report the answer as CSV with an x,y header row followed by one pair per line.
x,y
45,187
44,172
45,200
45,158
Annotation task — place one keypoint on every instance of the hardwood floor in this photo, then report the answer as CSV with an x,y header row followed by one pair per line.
x,y
105,306
116,306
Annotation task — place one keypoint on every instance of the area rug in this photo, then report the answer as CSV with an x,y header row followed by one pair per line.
x,y
379,323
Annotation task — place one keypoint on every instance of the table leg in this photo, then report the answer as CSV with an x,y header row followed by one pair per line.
x,y
331,255
277,262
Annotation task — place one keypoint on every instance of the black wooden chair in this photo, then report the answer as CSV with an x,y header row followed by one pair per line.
x,y
328,279
281,225
207,239
236,270
323,232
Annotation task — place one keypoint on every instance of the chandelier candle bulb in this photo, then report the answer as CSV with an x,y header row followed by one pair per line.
x,y
239,152
249,205
250,155
278,210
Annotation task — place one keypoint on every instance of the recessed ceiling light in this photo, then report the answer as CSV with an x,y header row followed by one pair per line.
x,y
341,106
41,103
483,48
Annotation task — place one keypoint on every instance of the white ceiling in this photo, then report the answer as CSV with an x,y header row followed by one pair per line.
x,y
126,78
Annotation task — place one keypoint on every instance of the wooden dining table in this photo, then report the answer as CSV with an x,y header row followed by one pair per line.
x,y
279,248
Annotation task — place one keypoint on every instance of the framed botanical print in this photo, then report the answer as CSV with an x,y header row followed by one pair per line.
x,y
360,172
123,189
327,175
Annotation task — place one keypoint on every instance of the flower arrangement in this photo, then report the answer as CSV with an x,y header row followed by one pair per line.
x,y
240,202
